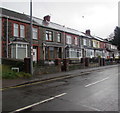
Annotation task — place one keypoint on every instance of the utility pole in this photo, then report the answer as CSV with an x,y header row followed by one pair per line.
x,y
64,50
7,37
31,41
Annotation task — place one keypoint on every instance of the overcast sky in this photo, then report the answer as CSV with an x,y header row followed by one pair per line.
x,y
100,16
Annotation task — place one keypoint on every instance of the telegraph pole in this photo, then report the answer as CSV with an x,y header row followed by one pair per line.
x,y
31,41
7,37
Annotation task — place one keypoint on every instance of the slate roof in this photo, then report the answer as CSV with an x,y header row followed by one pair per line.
x,y
40,22
57,26
15,15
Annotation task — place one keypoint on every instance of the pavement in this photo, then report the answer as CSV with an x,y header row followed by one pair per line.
x,y
16,82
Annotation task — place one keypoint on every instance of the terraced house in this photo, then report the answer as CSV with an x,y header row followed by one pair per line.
x,y
16,36
50,40
58,41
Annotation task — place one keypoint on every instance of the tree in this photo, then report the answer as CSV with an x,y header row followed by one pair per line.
x,y
116,38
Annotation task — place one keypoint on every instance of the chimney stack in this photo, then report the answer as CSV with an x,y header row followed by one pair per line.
x,y
46,18
88,32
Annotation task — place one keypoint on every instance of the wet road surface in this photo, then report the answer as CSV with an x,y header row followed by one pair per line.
x,y
95,91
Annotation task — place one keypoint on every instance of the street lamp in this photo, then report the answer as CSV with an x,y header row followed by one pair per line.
x,y
7,36
64,56
31,42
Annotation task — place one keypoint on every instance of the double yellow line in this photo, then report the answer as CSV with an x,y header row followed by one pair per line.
x,y
43,81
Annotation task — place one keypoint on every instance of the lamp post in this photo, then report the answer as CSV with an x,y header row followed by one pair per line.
x,y
64,51
31,42
7,37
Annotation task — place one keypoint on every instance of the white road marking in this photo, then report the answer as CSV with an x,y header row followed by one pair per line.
x,y
92,108
46,100
97,82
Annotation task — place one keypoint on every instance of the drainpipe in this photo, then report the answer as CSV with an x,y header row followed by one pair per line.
x,y
7,37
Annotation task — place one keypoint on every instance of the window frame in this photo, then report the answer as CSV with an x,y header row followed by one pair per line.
x,y
76,40
68,39
35,33
49,35
16,30
16,46
22,30
59,37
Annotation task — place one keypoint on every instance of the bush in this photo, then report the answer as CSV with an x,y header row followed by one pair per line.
x,y
7,73
13,63
23,75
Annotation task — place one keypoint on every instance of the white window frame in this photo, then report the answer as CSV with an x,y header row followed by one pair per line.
x,y
49,35
68,39
16,30
22,31
76,41
90,43
84,42
35,33
59,37
19,45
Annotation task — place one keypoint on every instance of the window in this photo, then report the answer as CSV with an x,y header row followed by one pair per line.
x,y
35,33
19,51
74,53
68,39
16,30
94,43
84,42
49,53
89,53
49,36
58,37
89,42
76,41
22,31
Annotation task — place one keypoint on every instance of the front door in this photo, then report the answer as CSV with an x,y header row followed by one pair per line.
x,y
35,54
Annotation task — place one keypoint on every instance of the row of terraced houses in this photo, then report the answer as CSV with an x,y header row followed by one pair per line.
x,y
50,40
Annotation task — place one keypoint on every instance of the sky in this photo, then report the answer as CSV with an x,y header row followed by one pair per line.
x,y
100,16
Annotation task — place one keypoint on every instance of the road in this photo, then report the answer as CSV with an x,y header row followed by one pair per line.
x,y
94,91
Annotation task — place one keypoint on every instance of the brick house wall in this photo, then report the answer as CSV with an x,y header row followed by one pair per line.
x,y
11,35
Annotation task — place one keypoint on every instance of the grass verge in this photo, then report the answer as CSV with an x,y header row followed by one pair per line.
x,y
7,73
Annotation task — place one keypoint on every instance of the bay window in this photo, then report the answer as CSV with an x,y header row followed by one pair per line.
x,y
74,53
49,53
19,51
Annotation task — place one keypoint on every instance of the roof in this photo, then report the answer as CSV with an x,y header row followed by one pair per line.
x,y
15,15
40,22
57,26
87,36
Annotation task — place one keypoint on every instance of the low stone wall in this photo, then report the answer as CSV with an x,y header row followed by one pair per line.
x,y
75,66
46,70
93,64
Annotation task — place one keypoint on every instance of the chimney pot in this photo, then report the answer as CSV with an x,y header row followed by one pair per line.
x,y
47,18
88,32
